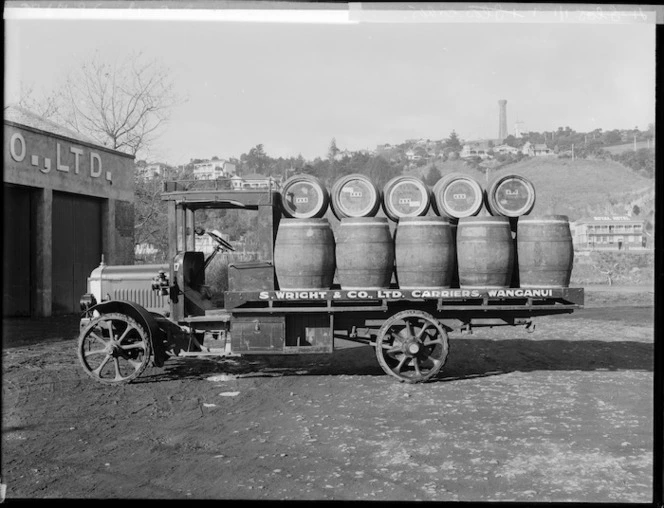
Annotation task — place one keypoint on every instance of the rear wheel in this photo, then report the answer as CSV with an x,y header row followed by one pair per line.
x,y
114,349
412,346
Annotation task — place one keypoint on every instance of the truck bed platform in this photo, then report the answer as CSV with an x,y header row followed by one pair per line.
x,y
454,299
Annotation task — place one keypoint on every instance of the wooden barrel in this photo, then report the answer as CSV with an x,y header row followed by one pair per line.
x,y
304,197
545,251
354,196
457,195
405,196
365,253
485,252
510,196
424,252
304,256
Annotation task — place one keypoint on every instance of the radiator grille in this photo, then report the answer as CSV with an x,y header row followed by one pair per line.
x,y
145,297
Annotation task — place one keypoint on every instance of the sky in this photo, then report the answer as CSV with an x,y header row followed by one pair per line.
x,y
293,86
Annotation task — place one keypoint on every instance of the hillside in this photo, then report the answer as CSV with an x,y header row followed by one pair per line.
x,y
626,147
447,167
576,188
582,187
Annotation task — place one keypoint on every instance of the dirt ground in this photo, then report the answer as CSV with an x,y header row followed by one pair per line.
x,y
562,414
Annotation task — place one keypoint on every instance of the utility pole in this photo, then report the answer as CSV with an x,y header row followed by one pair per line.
x,y
572,151
635,142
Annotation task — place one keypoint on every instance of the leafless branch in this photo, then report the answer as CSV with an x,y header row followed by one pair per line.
x,y
121,104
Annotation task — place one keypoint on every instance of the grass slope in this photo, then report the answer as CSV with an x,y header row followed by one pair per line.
x,y
581,187
447,167
626,147
576,188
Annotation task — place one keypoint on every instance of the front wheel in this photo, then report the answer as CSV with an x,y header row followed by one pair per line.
x,y
412,346
114,349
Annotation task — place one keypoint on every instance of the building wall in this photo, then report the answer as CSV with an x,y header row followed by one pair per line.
x,y
610,233
44,164
38,159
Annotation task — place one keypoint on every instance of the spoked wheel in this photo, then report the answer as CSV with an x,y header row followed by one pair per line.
x,y
114,349
412,346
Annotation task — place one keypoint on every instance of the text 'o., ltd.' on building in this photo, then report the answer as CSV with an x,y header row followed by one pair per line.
x,y
67,202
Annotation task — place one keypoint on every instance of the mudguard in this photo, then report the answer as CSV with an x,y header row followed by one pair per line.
x,y
145,318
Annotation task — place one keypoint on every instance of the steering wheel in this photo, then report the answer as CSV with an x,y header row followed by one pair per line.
x,y
217,238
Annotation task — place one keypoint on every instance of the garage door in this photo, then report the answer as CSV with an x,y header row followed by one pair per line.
x,y
16,252
76,248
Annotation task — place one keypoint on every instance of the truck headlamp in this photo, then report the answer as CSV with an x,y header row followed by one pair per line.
x,y
87,300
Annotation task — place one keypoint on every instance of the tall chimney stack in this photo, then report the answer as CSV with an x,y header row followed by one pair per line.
x,y
502,120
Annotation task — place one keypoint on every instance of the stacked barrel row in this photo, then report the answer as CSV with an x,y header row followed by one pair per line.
x,y
454,196
456,248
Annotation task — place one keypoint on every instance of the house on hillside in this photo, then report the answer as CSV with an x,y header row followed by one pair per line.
x,y
536,150
505,149
152,169
416,154
213,169
475,149
609,233
540,149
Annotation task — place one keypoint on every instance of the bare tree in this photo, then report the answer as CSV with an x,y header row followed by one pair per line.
x,y
150,211
150,221
121,104
46,107
608,264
